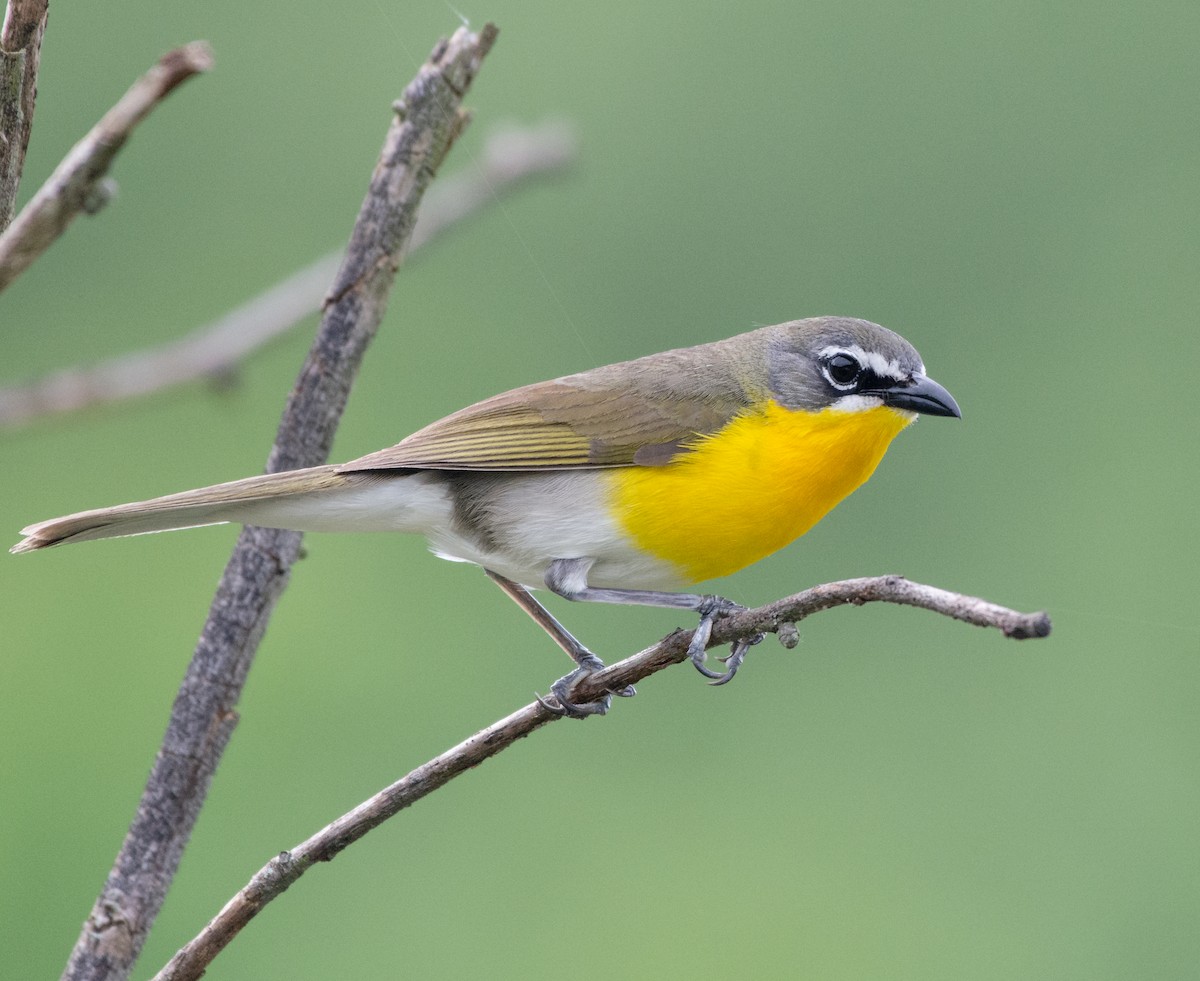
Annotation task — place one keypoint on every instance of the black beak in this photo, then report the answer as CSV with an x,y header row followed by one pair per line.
x,y
921,395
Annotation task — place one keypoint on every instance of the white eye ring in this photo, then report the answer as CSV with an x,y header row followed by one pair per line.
x,y
842,371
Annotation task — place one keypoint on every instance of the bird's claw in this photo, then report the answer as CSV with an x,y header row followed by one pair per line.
x,y
696,649
713,607
560,705
561,692
733,660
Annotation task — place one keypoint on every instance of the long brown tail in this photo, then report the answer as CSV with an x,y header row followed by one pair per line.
x,y
239,500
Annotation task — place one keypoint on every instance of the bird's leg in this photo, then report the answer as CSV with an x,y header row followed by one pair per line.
x,y
568,578
587,662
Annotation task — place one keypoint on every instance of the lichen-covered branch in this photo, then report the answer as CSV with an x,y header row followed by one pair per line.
x,y
779,617
78,183
204,713
20,55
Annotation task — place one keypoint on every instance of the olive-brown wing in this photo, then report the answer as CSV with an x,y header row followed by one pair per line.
x,y
588,420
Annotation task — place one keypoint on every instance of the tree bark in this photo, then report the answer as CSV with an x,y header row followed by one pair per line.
x,y
204,713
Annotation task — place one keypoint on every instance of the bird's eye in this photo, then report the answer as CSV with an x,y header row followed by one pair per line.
x,y
842,370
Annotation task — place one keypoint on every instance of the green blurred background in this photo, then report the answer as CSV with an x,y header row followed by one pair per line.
x,y
1014,187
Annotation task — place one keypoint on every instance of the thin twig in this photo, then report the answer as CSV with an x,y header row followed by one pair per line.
x,y
78,184
20,55
283,870
204,713
510,158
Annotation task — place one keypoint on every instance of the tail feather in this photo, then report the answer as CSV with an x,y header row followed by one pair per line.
x,y
239,500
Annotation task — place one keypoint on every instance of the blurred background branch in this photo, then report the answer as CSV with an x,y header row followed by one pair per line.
x,y
511,157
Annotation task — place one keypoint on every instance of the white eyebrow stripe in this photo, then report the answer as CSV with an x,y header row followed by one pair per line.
x,y
881,366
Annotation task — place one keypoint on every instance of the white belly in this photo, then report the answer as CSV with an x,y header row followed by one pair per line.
x,y
536,518
525,521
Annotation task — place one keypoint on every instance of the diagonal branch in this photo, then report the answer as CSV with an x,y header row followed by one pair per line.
x,y
204,713
20,56
780,617
78,183
511,157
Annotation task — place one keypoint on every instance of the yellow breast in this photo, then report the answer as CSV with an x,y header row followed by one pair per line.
x,y
750,489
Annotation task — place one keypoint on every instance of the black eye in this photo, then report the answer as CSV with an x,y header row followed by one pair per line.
x,y
842,370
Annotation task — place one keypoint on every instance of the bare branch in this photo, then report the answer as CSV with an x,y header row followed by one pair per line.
x,y
204,713
78,184
278,874
20,55
510,158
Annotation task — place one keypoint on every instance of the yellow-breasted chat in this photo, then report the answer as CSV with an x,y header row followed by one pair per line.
x,y
622,484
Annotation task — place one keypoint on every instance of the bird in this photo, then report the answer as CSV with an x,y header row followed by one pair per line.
x,y
628,483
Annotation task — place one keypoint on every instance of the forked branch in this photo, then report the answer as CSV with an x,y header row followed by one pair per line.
x,y
779,617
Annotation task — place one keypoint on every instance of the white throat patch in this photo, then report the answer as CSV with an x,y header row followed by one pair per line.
x,y
855,403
